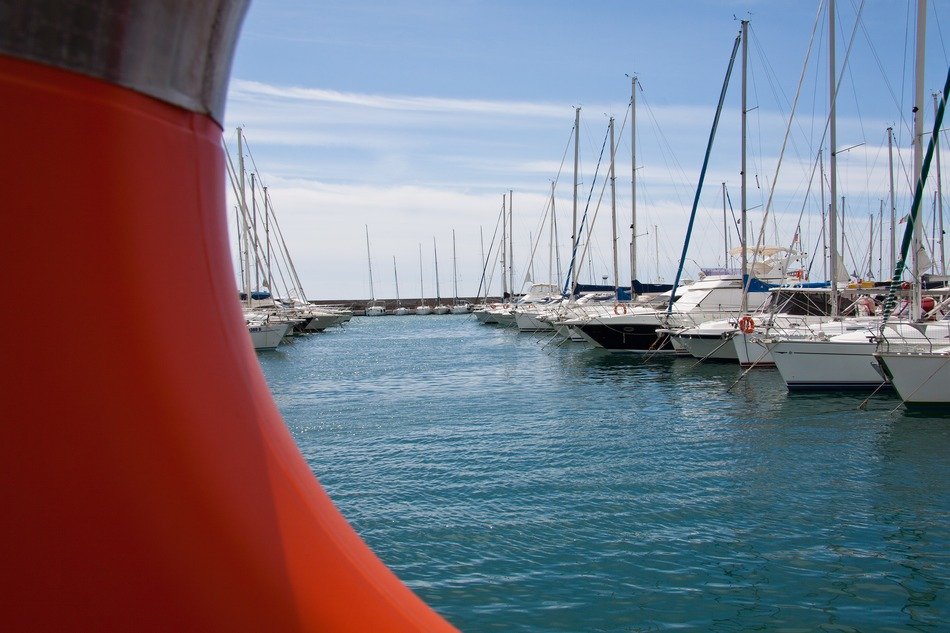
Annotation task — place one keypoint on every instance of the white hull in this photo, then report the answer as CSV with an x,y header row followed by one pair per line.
x,y
919,378
827,364
423,310
529,322
267,336
750,350
711,346
374,311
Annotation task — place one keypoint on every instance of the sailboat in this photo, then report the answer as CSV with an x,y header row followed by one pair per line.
x,y
920,376
372,309
439,308
400,310
645,329
266,330
422,308
849,360
459,306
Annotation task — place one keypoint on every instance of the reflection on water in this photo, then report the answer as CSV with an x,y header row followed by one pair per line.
x,y
520,485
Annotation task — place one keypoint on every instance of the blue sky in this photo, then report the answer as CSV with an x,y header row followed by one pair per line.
x,y
413,118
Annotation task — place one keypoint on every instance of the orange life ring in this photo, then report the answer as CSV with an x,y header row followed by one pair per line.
x,y
157,523
746,324
620,308
799,274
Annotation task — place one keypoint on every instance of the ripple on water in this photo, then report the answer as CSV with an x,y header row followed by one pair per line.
x,y
518,485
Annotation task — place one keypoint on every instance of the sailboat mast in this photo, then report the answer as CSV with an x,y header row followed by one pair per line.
x,y
422,286
744,306
269,279
833,162
504,248
511,241
577,135
369,261
943,254
551,240
257,264
435,256
481,243
613,207
880,240
246,264
455,274
633,182
918,151
890,161
396,278
725,230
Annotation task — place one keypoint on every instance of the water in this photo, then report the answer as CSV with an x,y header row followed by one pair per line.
x,y
520,486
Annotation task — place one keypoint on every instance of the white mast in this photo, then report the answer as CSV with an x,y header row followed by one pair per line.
x,y
613,207
481,243
633,182
918,152
422,286
577,134
369,261
744,307
435,256
269,280
833,173
396,278
257,263
504,250
725,231
246,268
890,161
455,274
551,240
511,241
943,254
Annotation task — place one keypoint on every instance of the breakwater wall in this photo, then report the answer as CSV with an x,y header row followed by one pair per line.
x,y
358,306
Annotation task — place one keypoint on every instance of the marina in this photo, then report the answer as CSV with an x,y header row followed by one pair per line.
x,y
712,395
521,485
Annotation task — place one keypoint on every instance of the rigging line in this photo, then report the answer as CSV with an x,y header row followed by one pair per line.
x,y
735,220
482,283
580,229
761,237
600,199
668,155
935,19
788,130
880,65
560,168
702,173
891,299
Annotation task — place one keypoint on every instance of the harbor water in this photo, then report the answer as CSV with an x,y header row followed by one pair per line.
x,y
520,485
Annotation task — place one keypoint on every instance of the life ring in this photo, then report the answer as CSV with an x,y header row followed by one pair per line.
x,y
905,285
620,308
156,524
799,274
746,324
493,306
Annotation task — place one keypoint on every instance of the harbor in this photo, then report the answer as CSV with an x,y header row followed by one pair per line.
x,y
521,485
685,360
